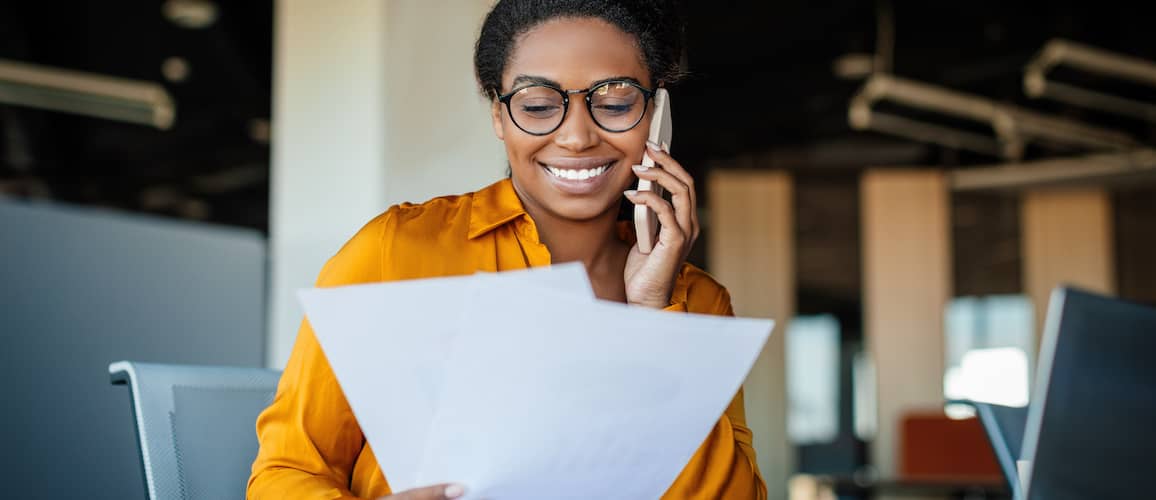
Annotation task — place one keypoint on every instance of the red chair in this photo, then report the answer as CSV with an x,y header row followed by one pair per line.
x,y
935,447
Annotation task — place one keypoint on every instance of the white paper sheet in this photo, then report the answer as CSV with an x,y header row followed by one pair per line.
x,y
563,399
388,345
521,386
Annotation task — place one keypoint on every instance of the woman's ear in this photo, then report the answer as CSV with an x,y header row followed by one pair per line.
x,y
496,118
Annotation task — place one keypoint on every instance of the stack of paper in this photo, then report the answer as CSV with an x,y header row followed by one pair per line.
x,y
521,385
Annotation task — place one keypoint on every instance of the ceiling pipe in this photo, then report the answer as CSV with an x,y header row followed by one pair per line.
x,y
88,94
1128,166
1060,52
1014,127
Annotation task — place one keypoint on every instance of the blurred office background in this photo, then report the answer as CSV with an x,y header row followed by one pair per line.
x,y
900,184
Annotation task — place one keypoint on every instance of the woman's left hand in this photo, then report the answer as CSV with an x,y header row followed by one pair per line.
x,y
650,277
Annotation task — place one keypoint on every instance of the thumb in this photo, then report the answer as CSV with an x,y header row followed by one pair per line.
x,y
435,492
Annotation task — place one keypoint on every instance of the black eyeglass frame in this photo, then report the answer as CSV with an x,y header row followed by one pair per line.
x,y
647,97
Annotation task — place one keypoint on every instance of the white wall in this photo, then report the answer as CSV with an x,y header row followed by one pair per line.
x,y
373,103
439,139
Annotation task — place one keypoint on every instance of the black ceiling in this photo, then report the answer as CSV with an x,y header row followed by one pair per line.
x,y
761,81
101,162
763,71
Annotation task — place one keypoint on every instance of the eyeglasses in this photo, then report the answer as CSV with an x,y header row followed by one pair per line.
x,y
539,109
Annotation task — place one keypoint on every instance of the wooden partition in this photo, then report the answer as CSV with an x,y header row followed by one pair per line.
x,y
751,251
906,285
1067,238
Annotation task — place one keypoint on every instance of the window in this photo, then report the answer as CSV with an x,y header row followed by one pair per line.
x,y
988,345
812,357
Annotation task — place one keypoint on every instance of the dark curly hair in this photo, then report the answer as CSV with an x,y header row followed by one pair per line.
x,y
657,25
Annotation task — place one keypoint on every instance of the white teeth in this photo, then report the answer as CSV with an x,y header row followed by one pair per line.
x,y
578,175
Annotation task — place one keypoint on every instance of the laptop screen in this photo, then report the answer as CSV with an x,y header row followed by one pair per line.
x,y
1091,427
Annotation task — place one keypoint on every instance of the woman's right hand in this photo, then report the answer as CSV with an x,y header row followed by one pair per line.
x,y
435,492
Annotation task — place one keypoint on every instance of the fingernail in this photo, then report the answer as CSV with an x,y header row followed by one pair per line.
x,y
653,145
640,168
454,491
630,193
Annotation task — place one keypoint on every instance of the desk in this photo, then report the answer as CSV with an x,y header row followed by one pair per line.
x,y
804,487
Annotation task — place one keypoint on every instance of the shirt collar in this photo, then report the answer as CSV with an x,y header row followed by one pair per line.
x,y
498,204
493,206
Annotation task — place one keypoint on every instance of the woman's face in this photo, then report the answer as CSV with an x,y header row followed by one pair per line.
x,y
574,54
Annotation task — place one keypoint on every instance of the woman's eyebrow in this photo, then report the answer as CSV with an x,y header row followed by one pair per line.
x,y
534,80
541,80
617,79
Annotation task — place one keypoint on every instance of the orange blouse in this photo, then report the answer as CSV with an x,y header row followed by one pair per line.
x,y
311,445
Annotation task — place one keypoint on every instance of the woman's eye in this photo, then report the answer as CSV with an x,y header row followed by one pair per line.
x,y
613,109
540,109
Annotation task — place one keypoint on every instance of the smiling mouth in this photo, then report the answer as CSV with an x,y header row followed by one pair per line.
x,y
577,174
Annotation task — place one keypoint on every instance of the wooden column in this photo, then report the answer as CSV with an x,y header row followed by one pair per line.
x,y
906,285
1067,238
751,252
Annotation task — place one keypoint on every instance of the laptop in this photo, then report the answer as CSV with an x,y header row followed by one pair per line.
x,y
1091,425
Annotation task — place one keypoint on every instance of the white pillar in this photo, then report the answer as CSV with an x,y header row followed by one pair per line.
x,y
373,103
906,285
752,243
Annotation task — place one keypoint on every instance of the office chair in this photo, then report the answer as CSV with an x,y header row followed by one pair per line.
x,y
196,425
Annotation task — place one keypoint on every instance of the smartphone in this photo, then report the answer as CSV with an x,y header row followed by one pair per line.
x,y
645,220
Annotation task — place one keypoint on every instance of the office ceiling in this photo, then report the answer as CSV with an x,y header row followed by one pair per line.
x,y
212,165
765,79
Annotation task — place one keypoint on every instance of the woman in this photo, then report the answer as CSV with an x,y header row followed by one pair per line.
x,y
570,82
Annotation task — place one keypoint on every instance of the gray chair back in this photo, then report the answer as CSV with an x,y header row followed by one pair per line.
x,y
196,425
1004,426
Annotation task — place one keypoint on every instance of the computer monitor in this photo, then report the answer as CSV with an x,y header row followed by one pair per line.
x,y
1091,425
